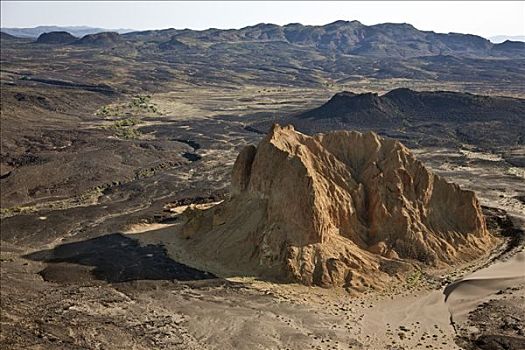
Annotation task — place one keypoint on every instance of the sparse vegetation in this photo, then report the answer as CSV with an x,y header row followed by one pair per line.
x,y
104,111
414,278
143,102
140,105
124,128
132,113
126,122
128,133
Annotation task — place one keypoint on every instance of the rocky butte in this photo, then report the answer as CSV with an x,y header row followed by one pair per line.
x,y
342,209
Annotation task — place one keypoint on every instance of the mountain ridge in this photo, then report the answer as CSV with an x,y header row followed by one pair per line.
x,y
419,118
404,103
349,37
338,54
344,37
78,31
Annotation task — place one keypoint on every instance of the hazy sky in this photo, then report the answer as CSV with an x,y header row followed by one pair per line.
x,y
482,18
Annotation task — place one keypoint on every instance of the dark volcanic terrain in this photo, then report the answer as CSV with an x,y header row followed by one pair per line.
x,y
426,118
338,55
107,138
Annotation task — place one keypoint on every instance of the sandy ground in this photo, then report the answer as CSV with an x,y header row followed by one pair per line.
x,y
466,293
406,317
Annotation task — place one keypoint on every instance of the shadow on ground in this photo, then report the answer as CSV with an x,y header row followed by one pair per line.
x,y
113,258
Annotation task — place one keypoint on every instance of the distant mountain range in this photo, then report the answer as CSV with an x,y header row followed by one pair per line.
x,y
77,31
387,40
344,37
295,55
501,38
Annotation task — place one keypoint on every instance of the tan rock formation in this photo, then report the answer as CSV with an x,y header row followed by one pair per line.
x,y
338,209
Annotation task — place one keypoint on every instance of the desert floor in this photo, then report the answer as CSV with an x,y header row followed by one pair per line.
x,y
103,268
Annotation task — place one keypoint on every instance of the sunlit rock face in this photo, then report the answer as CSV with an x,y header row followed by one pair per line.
x,y
339,209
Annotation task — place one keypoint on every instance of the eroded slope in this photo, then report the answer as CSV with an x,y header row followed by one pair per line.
x,y
338,209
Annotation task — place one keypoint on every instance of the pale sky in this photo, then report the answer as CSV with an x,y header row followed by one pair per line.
x,y
485,18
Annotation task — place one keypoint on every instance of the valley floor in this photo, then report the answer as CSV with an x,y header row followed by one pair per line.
x,y
74,276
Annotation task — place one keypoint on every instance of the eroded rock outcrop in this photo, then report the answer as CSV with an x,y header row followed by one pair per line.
x,y
337,209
